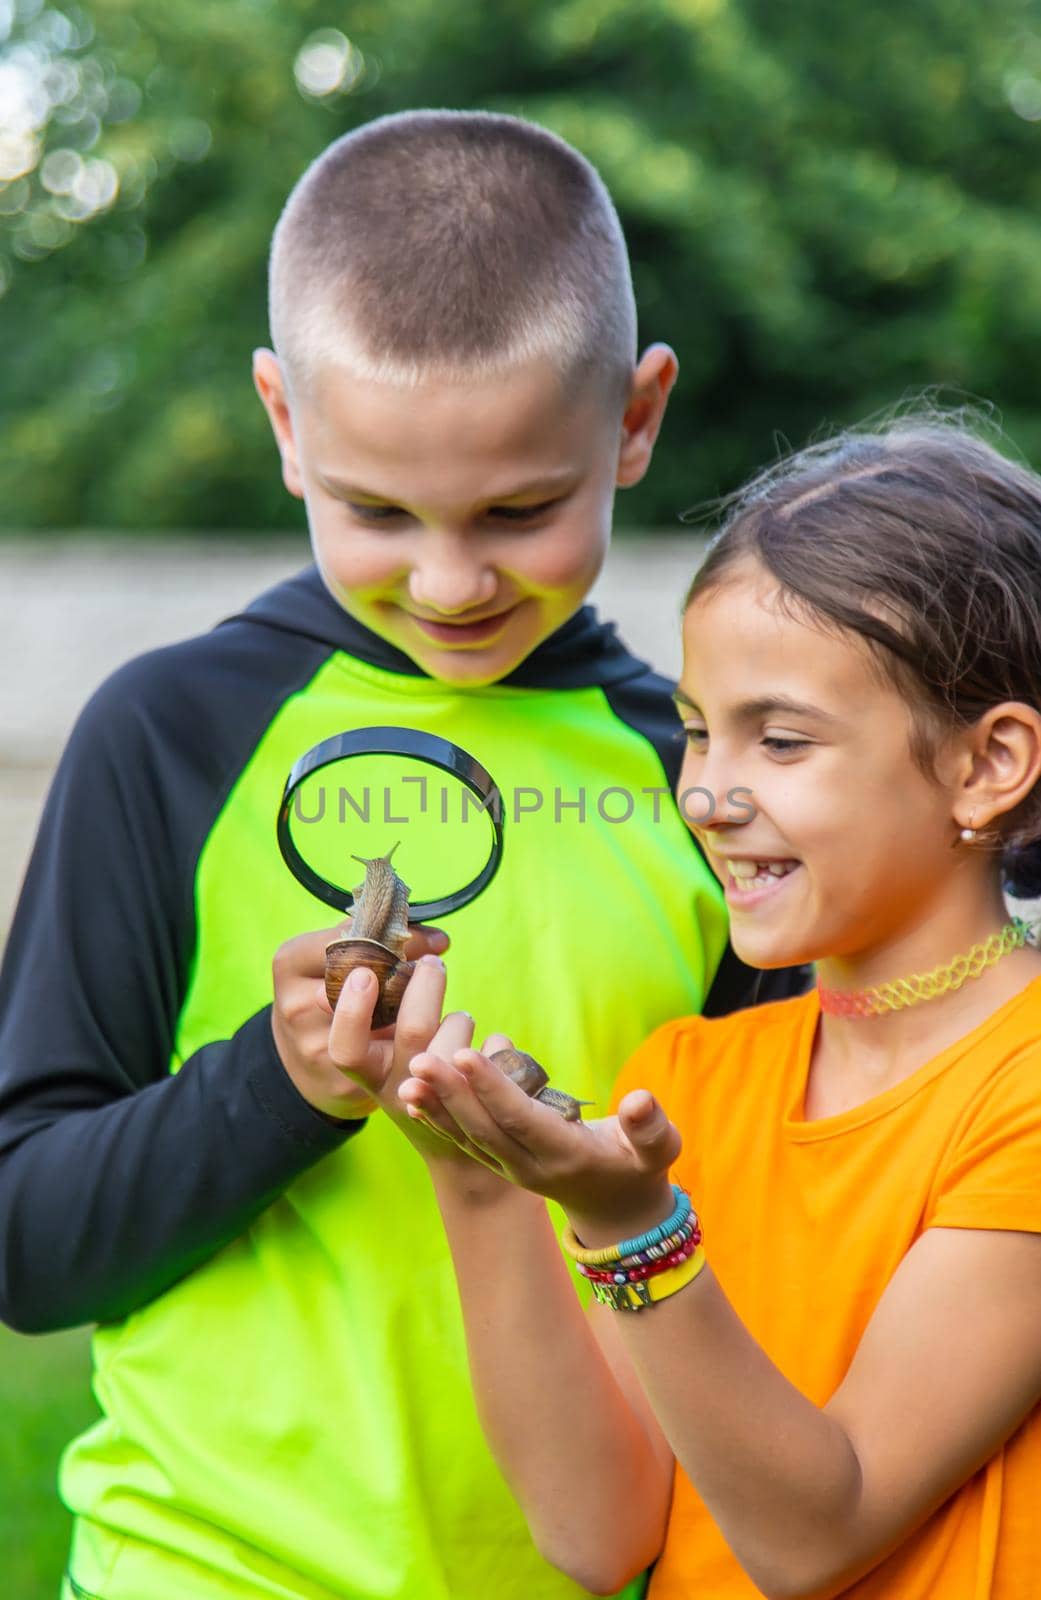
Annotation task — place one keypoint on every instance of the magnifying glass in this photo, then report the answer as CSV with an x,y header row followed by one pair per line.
x,y
363,792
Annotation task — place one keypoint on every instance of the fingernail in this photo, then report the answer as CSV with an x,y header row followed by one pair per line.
x,y
432,961
359,978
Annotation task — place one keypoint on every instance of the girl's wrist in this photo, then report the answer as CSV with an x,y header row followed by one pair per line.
x,y
598,1227
461,1183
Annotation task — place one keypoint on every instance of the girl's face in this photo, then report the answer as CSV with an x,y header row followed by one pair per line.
x,y
844,845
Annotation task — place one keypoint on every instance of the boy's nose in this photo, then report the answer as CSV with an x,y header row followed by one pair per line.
x,y
451,583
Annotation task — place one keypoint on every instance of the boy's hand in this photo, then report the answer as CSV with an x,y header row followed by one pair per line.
x,y
611,1175
300,1019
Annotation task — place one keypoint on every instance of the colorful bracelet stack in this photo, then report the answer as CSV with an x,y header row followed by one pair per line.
x,y
639,1272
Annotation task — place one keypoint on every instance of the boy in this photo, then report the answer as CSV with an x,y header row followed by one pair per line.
x,y
280,1366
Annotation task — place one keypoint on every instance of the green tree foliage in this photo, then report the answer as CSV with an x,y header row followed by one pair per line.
x,y
830,205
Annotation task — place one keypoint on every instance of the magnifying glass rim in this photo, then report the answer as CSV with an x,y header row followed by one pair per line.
x,y
426,747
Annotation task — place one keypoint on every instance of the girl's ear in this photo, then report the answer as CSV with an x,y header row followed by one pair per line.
x,y
1002,764
652,384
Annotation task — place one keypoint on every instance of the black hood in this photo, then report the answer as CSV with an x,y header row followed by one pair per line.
x,y
584,652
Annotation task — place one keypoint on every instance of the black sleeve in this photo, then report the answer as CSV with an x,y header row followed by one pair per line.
x,y
645,703
116,1176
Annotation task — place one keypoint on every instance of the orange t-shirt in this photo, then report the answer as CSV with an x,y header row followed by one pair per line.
x,y
806,1222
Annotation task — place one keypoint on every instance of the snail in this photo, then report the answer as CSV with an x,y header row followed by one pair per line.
x,y
379,933
525,1071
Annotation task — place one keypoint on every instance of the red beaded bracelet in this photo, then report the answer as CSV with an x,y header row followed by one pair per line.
x,y
649,1269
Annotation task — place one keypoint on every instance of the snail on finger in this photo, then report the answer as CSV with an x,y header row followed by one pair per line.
x,y
377,939
525,1071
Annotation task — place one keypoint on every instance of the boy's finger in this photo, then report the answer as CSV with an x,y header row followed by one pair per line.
x,y
304,956
654,1139
496,1041
426,941
455,1033
351,1027
420,1011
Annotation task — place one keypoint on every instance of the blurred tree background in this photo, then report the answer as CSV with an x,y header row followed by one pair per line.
x,y
829,205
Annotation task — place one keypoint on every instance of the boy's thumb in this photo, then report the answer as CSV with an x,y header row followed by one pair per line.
x,y
653,1137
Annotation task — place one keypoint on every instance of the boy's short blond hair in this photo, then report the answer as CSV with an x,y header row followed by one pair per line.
x,y
454,244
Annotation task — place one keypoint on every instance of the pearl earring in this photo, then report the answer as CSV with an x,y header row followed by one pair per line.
x,y
968,834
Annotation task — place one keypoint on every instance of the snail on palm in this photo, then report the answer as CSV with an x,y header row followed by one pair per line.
x,y
377,939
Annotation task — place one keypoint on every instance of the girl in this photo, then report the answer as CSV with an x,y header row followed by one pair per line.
x,y
825,1378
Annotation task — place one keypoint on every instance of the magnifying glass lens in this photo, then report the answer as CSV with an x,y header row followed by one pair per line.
x,y
367,804
363,793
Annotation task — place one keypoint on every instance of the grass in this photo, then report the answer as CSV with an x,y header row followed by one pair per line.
x,y
44,1400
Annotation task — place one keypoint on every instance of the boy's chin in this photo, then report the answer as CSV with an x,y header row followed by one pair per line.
x,y
475,669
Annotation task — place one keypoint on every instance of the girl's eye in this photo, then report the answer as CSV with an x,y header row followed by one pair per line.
x,y
694,735
782,747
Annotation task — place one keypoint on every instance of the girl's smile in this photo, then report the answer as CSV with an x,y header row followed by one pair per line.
x,y
749,881
847,850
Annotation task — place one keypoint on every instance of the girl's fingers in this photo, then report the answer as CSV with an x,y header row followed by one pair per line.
x,y
654,1140
494,1042
499,1117
457,1101
422,1103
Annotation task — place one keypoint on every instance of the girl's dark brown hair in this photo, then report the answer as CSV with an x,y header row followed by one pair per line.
x,y
925,541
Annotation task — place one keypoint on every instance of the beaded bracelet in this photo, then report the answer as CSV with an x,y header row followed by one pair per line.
x,y
655,1259
651,1270
636,1296
630,1247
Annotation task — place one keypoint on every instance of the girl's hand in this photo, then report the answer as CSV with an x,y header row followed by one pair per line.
x,y
611,1176
377,1062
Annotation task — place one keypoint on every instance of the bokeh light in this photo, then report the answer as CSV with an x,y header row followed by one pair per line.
x,y
328,63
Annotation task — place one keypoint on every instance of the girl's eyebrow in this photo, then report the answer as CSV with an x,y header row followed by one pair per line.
x,y
763,705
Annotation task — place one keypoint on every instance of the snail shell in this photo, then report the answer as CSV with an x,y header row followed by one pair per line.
x,y
525,1071
379,933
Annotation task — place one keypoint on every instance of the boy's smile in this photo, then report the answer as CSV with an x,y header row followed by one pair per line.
x,y
462,520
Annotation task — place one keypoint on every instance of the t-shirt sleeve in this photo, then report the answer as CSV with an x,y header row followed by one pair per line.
x,y
991,1176
117,1176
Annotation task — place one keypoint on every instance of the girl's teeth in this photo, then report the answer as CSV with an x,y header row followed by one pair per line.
x,y
753,873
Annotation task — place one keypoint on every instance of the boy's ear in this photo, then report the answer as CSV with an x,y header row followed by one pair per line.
x,y
652,384
271,387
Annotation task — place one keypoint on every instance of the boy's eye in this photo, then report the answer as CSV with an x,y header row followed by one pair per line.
x,y
374,513
521,513
694,734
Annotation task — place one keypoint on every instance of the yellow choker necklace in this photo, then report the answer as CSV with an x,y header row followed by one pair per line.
x,y
903,992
